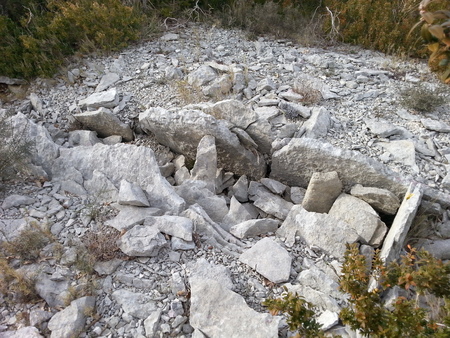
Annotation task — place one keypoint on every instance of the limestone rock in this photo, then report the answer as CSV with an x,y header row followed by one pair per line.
x,y
237,214
142,240
317,125
219,312
205,166
274,186
269,259
380,199
132,194
439,126
402,151
202,76
254,227
107,81
71,320
130,216
83,138
269,203
107,99
322,191
16,201
182,131
233,111
105,124
202,270
177,226
438,248
135,304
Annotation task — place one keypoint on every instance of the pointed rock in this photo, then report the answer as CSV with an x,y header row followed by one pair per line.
x,y
132,194
205,166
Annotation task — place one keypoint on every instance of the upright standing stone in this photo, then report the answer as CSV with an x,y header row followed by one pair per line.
x,y
205,166
322,191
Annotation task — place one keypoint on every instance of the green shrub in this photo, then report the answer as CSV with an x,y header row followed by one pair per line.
x,y
423,310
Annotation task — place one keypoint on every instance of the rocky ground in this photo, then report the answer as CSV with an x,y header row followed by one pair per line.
x,y
208,169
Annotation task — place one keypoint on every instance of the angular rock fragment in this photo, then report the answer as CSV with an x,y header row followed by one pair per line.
x,y
143,241
269,259
233,111
130,216
380,199
205,166
83,138
269,203
402,151
132,194
322,191
254,227
438,248
135,304
107,99
177,226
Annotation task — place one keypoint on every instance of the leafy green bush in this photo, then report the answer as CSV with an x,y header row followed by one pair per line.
x,y
425,283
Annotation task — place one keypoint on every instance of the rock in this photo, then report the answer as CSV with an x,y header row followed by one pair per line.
x,y
135,304
219,312
202,270
317,125
202,76
438,248
269,203
85,138
316,279
254,227
297,194
180,227
38,316
322,191
71,320
151,323
402,151
23,332
274,186
53,292
107,99
361,217
244,138
237,214
130,216
107,81
240,189
132,194
205,166
269,259
169,37
328,319
107,267
320,299
435,125
295,163
12,81
182,131
105,124
16,201
332,236
395,238
233,111
384,129
380,199
142,240
294,110
121,162
266,84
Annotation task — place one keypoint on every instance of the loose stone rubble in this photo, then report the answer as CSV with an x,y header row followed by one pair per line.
x,y
221,201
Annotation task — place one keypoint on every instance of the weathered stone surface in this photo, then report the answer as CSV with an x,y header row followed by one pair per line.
x,y
322,191
240,189
438,248
132,194
321,230
16,201
182,131
121,162
12,81
320,299
254,227
202,76
202,270
219,312
318,280
361,217
180,227
205,166
273,185
384,129
328,319
83,138
151,323
399,229
269,259
53,292
108,267
439,126
107,99
237,214
105,123
269,203
233,111
107,81
130,216
380,199
293,110
317,125
70,321
402,151
135,304
295,163
142,240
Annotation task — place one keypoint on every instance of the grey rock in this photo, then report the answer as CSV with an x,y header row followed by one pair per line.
x,y
385,129
113,139
205,166
105,123
266,84
237,214
182,175
53,292
135,304
438,248
107,267
37,103
295,163
151,323
328,319
83,138
233,111
435,125
244,138
297,194
322,191
201,76
269,203
202,270
317,125
320,299
107,81
317,279
269,259
71,320
273,185
240,189
130,216
142,240
399,229
16,201
177,226
254,227
178,244
219,312
182,131
380,199
132,194
169,37
332,236
12,81
38,316
100,186
121,162
23,332
361,217
402,151
107,99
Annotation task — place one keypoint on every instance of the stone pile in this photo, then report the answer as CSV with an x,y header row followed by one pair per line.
x,y
221,203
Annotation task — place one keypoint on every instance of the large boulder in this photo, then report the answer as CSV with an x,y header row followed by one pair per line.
x,y
182,131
